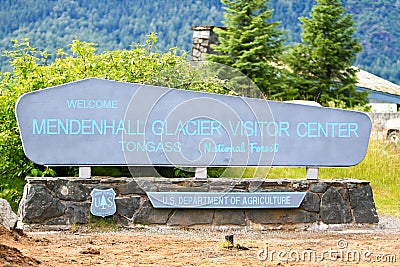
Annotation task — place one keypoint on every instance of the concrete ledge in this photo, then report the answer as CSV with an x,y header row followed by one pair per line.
x,y
62,202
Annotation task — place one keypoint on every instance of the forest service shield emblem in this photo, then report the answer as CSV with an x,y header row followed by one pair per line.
x,y
103,202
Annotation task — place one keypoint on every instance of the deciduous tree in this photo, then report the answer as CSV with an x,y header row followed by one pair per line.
x,y
31,71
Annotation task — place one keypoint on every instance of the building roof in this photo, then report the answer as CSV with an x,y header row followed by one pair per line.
x,y
370,81
366,81
206,28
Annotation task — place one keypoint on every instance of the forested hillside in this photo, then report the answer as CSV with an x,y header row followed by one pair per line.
x,y
51,24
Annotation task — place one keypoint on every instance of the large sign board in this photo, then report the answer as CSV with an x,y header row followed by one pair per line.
x,y
101,122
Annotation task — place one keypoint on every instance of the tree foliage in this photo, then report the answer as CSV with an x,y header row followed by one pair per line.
x,y
323,61
251,43
32,71
52,24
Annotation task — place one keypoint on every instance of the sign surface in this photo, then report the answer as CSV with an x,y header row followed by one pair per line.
x,y
101,122
227,200
103,202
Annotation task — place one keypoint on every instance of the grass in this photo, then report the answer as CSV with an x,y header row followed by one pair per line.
x,y
96,225
99,224
381,167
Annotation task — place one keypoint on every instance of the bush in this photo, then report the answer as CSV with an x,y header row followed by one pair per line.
x,y
32,71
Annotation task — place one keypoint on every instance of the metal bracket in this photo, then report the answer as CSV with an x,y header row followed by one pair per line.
x,y
85,172
200,173
312,173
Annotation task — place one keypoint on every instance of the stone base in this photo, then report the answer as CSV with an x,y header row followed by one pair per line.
x,y
62,202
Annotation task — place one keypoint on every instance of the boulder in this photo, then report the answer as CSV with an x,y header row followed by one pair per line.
x,y
8,218
40,205
334,209
362,203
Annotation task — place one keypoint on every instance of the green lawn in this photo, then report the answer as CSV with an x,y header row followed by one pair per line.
x,y
381,167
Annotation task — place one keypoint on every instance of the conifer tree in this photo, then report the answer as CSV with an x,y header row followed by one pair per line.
x,y
251,43
323,61
103,202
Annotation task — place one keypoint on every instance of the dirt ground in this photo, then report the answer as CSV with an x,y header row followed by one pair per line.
x,y
157,246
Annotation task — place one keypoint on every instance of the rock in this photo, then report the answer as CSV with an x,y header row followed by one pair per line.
x,y
227,185
127,207
61,201
188,217
92,251
344,193
57,221
318,188
130,188
362,203
78,213
311,202
279,216
334,210
179,185
227,216
70,190
286,182
40,205
276,189
300,185
254,186
8,218
149,215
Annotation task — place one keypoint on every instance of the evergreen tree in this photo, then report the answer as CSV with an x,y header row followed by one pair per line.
x,y
250,43
323,61
103,202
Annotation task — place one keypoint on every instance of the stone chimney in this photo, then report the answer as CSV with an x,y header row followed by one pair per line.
x,y
203,37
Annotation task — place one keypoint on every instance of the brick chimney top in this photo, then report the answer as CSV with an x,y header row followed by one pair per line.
x,y
203,37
